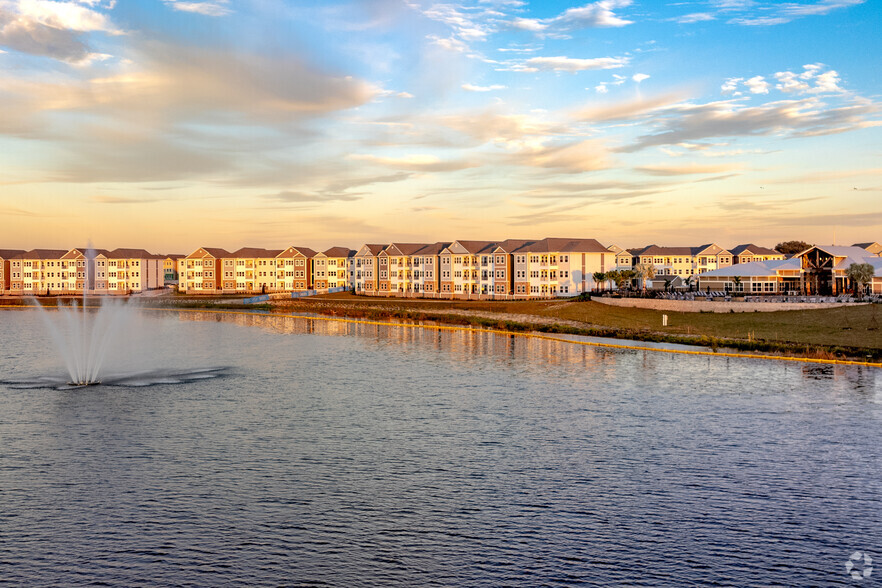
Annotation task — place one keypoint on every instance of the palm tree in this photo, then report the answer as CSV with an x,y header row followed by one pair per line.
x,y
625,276
613,276
860,274
645,271
736,281
599,278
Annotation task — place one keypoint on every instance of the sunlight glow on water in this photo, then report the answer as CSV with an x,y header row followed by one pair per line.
x,y
352,455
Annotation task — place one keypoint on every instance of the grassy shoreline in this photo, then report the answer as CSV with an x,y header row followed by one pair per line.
x,y
836,333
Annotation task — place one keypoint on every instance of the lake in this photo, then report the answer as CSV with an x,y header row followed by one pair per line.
x,y
338,454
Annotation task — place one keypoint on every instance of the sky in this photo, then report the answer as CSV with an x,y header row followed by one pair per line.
x,y
175,124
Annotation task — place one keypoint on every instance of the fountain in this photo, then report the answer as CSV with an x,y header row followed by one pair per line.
x,y
90,333
83,337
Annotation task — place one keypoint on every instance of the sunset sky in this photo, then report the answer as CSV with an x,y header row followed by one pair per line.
x,y
171,125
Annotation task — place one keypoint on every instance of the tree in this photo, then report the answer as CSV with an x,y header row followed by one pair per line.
x,y
599,279
737,281
625,276
614,277
645,271
792,247
860,274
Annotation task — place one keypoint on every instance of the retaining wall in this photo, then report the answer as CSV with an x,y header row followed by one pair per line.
x,y
705,306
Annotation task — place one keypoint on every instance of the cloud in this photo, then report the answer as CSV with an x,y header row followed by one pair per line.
x,y
418,163
789,11
473,88
571,157
291,196
695,17
639,77
570,64
51,29
628,111
809,81
789,118
216,8
757,85
692,169
594,15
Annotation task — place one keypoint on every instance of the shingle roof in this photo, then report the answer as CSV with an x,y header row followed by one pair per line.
x,y
132,254
475,246
291,251
339,252
560,245
755,249
44,254
215,252
404,248
254,252
433,249
10,253
510,245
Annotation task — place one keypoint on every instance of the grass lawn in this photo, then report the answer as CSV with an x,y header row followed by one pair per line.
x,y
853,326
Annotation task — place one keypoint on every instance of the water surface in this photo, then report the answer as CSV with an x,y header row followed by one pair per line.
x,y
349,455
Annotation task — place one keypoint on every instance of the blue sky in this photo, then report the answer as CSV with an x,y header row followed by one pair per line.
x,y
175,124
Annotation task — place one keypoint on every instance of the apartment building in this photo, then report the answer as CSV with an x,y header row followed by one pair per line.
x,y
499,265
682,261
10,266
559,267
459,268
296,271
367,269
170,268
41,272
749,252
333,268
873,248
128,271
201,272
426,262
402,269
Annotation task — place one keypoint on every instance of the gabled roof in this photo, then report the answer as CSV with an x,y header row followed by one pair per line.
x,y
658,250
370,249
472,247
511,245
709,249
339,252
10,253
173,256
295,251
433,249
44,254
874,248
215,252
254,252
753,249
404,248
132,254
559,245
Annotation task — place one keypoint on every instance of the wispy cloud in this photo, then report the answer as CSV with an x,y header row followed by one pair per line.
x,y
213,8
594,15
474,88
570,64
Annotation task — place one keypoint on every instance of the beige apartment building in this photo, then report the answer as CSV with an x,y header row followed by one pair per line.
x,y
367,269
333,268
749,252
559,267
10,267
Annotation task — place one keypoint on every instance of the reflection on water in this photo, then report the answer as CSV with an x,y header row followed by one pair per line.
x,y
347,454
